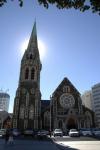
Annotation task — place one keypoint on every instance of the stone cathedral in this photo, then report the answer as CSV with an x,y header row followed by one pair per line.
x,y
64,109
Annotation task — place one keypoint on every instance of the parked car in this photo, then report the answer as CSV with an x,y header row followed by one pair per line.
x,y
85,132
16,132
57,132
28,132
42,133
74,133
2,132
65,132
95,131
35,132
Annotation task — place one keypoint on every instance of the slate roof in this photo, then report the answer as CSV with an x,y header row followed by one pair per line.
x,y
45,105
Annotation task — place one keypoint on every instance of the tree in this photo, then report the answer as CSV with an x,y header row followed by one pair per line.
x,y
82,5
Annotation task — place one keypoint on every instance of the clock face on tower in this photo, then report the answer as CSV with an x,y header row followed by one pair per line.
x,y
67,100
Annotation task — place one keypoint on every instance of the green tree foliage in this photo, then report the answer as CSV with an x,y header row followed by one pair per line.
x,y
82,5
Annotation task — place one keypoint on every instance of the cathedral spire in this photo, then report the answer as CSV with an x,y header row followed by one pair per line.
x,y
33,38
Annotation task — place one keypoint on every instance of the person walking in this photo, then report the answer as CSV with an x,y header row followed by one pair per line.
x,y
11,140
50,133
6,136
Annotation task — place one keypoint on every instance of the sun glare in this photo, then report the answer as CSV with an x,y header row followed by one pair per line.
x,y
24,46
42,49
41,46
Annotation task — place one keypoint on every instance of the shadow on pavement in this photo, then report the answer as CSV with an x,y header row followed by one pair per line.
x,y
32,138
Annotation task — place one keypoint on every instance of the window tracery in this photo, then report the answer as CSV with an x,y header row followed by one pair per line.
x,y
66,89
26,73
47,118
32,73
22,112
31,112
27,99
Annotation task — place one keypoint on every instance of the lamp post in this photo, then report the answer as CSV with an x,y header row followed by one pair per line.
x,y
1,123
50,112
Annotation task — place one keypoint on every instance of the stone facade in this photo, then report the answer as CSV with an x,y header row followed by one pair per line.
x,y
64,109
67,109
27,104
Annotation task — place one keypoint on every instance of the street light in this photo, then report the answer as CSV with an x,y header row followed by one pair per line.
x,y
1,123
50,112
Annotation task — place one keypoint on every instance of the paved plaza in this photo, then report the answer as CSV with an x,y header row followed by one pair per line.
x,y
57,143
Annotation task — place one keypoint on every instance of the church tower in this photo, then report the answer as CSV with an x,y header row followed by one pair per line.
x,y
27,103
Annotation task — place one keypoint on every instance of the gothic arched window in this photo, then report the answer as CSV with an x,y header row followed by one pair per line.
x,y
88,119
60,124
26,73
27,99
66,89
31,112
22,112
32,73
31,56
47,119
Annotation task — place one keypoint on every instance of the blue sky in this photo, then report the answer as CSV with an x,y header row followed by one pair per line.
x,y
71,38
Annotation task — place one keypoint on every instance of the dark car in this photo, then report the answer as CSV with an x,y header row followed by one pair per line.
x,y
28,132
65,132
42,133
95,132
85,132
16,132
35,132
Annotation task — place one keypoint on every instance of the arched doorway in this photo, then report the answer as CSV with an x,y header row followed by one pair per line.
x,y
60,124
71,124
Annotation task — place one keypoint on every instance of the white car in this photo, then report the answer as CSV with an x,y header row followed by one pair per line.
x,y
2,132
73,133
57,132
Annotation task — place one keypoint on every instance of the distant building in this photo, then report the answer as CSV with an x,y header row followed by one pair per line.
x,y
96,103
5,119
4,101
87,99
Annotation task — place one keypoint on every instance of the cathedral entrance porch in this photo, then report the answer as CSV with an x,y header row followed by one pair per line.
x,y
71,124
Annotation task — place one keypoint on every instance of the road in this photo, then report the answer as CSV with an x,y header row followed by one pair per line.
x,y
28,144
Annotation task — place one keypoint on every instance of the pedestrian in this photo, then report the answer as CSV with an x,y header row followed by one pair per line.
x,y
6,136
50,133
11,139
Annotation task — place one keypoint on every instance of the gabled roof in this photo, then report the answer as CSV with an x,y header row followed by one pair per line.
x,y
64,81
